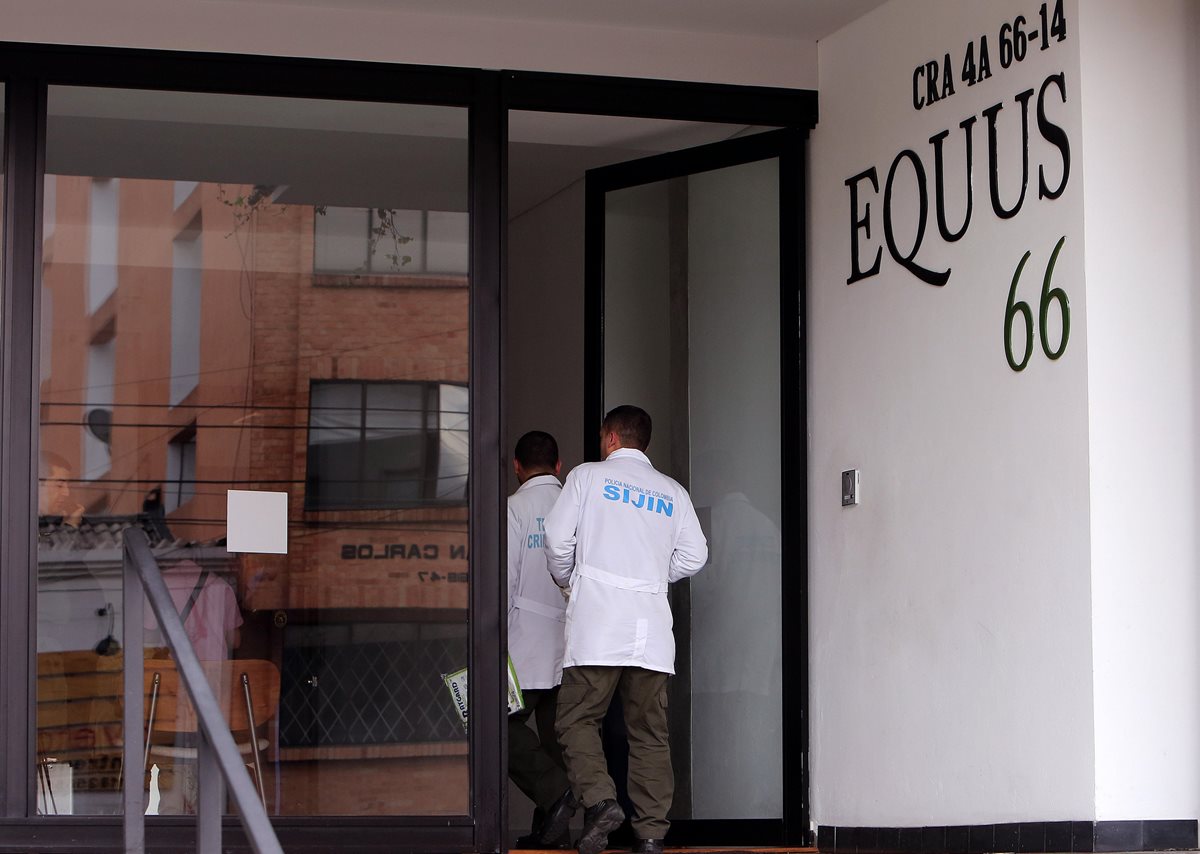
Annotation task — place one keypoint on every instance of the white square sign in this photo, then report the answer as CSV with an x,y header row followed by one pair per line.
x,y
256,522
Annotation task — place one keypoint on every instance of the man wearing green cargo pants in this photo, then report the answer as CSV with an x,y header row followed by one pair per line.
x,y
619,533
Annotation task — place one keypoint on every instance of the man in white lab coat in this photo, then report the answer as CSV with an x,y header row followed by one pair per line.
x,y
536,612
619,533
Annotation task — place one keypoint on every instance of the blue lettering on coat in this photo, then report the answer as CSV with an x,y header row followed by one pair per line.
x,y
639,500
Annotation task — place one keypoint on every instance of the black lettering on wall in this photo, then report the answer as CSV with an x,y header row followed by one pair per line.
x,y
918,99
1055,135
863,223
939,180
993,165
931,82
906,261
985,61
947,77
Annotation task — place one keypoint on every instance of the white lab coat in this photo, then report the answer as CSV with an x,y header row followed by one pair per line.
x,y
536,609
618,535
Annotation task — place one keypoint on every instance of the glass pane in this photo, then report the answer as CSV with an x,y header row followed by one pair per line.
x,y
397,241
686,261
395,447
334,445
446,242
214,318
341,239
454,447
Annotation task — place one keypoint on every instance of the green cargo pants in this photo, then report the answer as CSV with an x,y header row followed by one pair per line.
x,y
583,699
535,761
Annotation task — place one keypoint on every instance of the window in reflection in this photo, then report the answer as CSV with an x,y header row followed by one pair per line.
x,y
388,241
385,444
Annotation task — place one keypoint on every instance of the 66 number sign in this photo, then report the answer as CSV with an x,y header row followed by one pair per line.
x,y
1017,307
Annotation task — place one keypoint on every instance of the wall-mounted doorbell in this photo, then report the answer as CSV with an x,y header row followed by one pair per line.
x,y
850,490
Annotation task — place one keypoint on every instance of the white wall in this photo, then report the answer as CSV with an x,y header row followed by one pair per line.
x,y
637,308
1141,120
951,611
544,337
357,32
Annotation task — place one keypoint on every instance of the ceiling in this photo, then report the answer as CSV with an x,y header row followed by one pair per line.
x,y
340,153
803,20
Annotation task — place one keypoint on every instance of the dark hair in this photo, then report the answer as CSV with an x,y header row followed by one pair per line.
x,y
631,424
537,450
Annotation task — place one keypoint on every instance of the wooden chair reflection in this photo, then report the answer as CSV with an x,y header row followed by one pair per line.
x,y
247,691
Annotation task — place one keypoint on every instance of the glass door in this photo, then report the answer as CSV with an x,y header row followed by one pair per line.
x,y
257,295
689,302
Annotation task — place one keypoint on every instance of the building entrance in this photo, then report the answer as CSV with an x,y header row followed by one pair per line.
x,y
665,281
229,275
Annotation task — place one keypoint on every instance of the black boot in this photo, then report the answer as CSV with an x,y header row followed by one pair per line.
x,y
532,839
556,828
598,822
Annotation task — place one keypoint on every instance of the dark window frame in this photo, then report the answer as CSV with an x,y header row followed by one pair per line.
x,y
430,456
177,444
26,71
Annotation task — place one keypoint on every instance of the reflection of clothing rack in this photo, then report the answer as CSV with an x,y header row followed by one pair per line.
x,y
247,691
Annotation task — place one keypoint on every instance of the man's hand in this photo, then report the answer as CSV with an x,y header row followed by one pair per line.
x,y
73,517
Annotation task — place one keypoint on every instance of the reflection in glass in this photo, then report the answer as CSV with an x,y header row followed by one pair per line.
x,y
272,296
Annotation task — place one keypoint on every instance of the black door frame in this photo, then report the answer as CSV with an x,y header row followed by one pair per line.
x,y
27,70
788,147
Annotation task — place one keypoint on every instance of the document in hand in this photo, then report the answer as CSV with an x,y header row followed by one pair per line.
x,y
456,682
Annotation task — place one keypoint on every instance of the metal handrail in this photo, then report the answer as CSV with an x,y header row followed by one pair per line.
x,y
217,754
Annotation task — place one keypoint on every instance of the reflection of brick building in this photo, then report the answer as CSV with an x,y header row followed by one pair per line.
x,y
189,347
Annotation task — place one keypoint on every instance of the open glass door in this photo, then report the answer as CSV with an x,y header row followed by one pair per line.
x,y
693,315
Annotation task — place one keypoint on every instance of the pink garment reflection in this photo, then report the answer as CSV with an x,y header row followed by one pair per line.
x,y
213,619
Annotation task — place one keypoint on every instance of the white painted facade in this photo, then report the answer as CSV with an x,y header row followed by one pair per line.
x,y
950,618
1005,629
